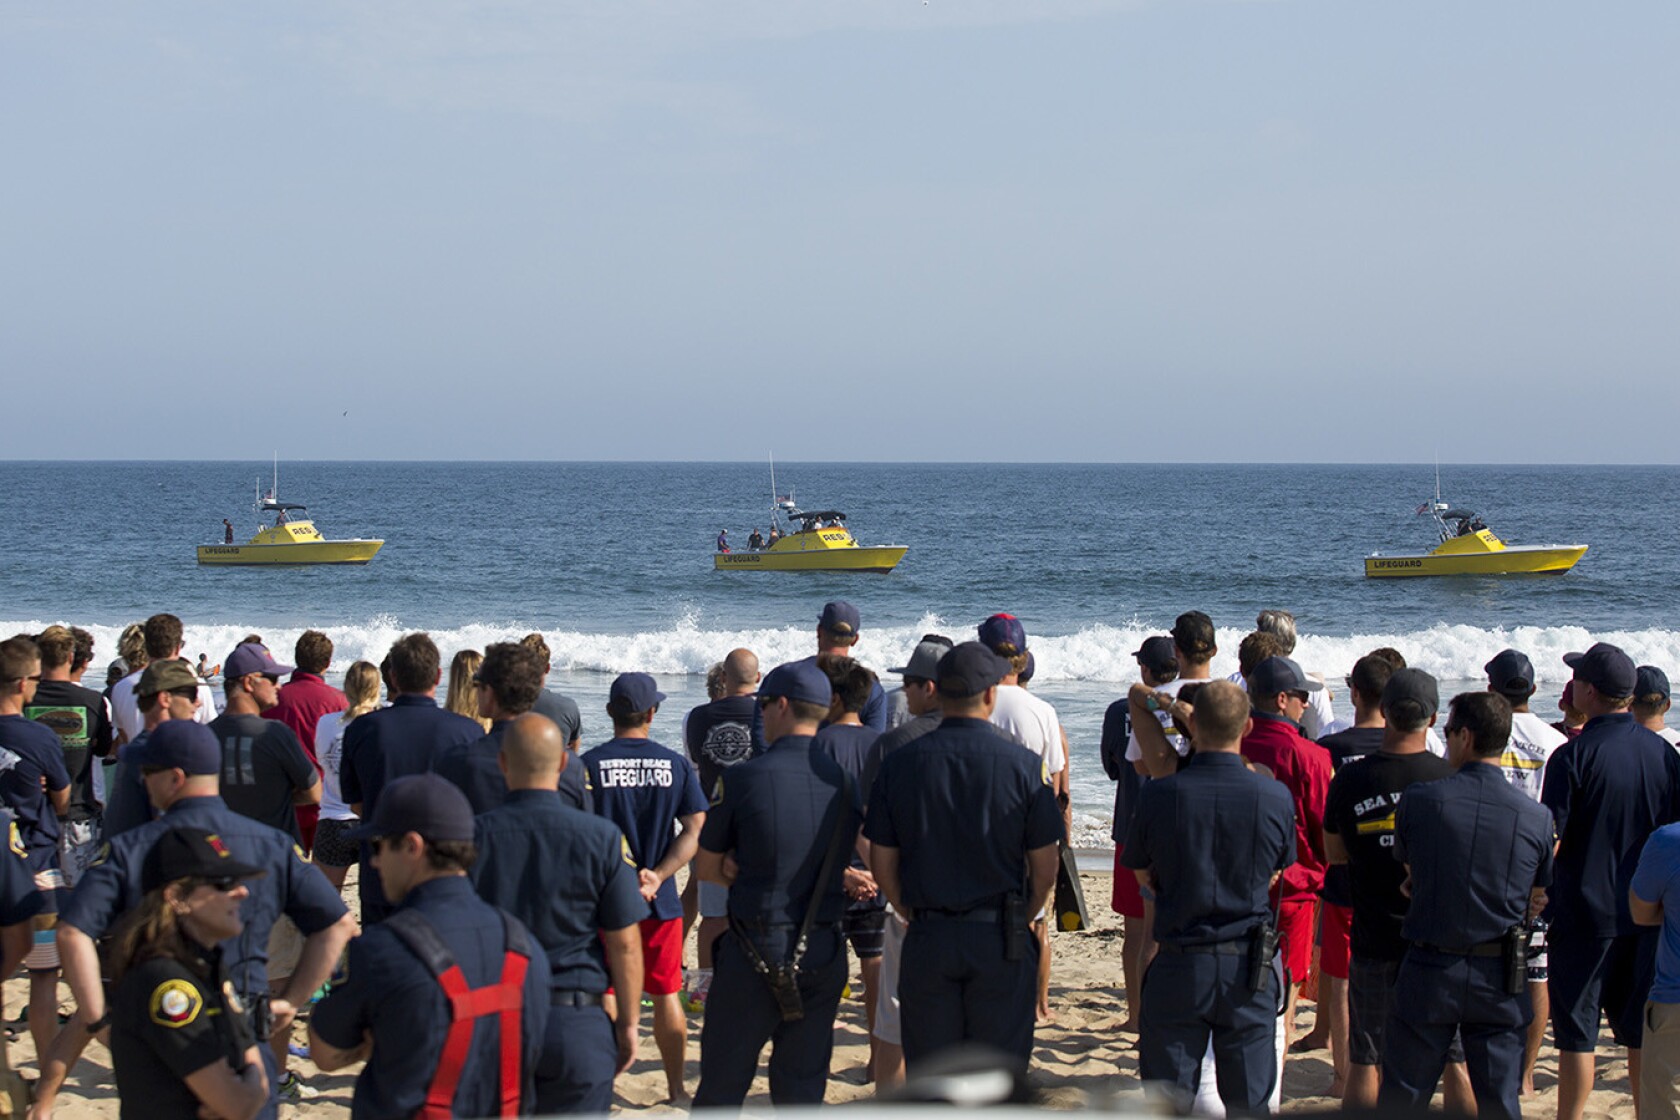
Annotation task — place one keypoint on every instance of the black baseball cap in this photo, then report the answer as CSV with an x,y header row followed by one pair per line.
x,y
1510,673
191,853
1280,674
798,680
970,669
425,803
1414,685
841,618
1651,681
178,744
637,691
1157,654
1606,668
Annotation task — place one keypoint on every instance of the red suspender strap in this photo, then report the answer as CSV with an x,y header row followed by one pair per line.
x,y
505,999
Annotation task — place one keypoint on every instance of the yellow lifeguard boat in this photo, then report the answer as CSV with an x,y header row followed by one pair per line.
x,y
292,539
821,543
1469,548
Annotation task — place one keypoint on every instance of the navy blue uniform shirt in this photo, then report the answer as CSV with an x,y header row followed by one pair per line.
x,y
643,787
1213,834
474,768
39,756
776,813
384,988
19,900
722,733
566,874
1116,730
1609,788
390,743
111,887
964,805
1476,846
126,802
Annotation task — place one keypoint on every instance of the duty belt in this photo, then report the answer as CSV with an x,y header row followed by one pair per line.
x,y
1237,948
573,998
1485,949
991,915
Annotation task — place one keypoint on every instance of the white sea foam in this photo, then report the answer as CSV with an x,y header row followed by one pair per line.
x,y
1095,654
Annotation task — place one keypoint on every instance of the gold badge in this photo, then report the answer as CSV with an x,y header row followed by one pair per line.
x,y
624,843
175,1003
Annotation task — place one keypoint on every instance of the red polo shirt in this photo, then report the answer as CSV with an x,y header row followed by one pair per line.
x,y
303,701
1304,768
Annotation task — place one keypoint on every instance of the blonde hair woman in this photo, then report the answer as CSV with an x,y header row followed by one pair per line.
x,y
335,855
463,691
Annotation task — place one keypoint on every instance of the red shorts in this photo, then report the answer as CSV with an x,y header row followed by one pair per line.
x,y
1335,926
662,953
1295,924
1127,901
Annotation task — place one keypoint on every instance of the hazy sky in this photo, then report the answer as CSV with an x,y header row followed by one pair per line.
x,y
960,229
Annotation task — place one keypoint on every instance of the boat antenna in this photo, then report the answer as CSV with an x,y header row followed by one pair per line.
x,y
276,490
1437,476
772,483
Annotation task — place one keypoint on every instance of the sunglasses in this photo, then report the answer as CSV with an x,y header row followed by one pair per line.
x,y
223,884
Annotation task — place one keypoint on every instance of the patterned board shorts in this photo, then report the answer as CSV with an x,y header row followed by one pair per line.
x,y
331,848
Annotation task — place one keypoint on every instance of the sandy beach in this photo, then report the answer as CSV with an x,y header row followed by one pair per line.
x,y
1080,1059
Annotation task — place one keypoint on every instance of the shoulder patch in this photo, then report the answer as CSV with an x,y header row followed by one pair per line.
x,y
175,1003
297,850
216,845
1043,771
15,842
717,792
624,850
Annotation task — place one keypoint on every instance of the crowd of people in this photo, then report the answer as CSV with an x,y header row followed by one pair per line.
x,y
1443,880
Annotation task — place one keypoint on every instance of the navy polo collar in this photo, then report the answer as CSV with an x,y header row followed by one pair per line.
x,y
1255,714
793,742
1612,717
535,796
412,700
445,890
1216,758
204,803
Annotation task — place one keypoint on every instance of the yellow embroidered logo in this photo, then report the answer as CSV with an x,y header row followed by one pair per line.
x,y
175,1003
624,844
15,842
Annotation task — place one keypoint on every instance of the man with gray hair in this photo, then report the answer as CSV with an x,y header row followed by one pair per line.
x,y
1320,713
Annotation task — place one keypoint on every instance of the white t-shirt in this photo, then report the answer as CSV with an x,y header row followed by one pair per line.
x,y
125,708
1668,733
1179,742
329,748
1532,742
1024,717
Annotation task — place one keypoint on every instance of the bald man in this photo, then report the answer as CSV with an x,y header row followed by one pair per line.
x,y
719,735
569,877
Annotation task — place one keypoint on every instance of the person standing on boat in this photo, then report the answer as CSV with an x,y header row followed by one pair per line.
x,y
723,540
756,541
227,531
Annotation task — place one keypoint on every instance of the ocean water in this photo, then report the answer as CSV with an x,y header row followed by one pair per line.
x,y
612,561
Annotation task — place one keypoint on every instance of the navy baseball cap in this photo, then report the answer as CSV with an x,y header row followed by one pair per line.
x,y
179,744
425,803
191,853
636,690
1002,630
1606,668
1280,674
839,617
252,658
1650,681
1510,673
1157,654
1414,685
970,669
798,680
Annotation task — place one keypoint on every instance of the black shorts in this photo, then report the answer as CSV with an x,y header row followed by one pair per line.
x,y
1370,1000
1591,973
866,930
331,849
